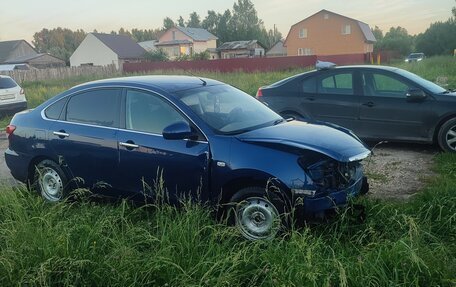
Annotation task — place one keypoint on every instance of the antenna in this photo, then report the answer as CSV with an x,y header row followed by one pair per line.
x,y
189,72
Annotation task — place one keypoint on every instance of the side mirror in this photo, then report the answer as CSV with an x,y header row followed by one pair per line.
x,y
177,131
415,95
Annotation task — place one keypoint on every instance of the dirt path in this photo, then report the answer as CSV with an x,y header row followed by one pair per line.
x,y
399,170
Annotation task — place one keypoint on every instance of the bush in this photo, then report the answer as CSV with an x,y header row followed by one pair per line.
x,y
158,55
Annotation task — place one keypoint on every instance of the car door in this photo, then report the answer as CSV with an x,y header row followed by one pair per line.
x,y
84,138
385,112
150,163
337,98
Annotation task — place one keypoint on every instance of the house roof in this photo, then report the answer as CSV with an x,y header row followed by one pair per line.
x,y
6,47
25,59
148,45
367,32
173,42
197,34
238,45
122,45
277,49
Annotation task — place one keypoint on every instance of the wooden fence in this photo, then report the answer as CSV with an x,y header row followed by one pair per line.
x,y
61,73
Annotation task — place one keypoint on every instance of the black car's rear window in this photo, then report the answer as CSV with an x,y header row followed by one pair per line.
x,y
7,83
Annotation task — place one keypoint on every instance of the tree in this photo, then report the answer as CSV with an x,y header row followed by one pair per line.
x,y
158,55
59,42
168,23
194,21
180,22
397,39
454,11
438,39
378,34
211,21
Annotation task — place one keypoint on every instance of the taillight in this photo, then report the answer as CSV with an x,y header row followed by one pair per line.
x,y
10,130
259,93
22,92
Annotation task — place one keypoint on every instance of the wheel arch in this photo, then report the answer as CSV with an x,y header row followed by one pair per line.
x,y
442,121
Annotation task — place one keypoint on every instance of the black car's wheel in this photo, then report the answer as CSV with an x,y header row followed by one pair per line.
x,y
258,215
50,181
447,136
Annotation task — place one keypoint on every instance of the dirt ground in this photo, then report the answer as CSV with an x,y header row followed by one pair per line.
x,y
399,170
394,170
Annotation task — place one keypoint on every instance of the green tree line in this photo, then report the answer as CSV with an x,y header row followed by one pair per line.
x,y
438,39
240,23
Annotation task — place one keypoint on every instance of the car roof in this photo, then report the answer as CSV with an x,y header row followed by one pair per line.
x,y
316,72
169,83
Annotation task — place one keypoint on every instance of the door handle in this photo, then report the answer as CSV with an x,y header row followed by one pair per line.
x,y
311,98
369,104
61,134
129,145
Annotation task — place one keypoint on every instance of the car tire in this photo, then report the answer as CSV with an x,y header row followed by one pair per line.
x,y
50,181
447,136
258,215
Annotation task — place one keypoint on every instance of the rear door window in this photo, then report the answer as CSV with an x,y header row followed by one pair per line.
x,y
7,83
97,107
54,110
340,83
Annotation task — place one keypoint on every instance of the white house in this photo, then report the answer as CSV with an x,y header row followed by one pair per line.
x,y
106,49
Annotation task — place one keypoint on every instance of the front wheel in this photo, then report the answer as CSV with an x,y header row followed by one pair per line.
x,y
50,181
255,214
447,136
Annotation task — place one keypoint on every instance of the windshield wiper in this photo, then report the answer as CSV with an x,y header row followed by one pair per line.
x,y
276,122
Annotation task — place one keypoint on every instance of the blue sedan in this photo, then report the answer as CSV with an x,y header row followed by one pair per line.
x,y
137,137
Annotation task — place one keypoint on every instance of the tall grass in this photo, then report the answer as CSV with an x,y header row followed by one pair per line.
x,y
86,243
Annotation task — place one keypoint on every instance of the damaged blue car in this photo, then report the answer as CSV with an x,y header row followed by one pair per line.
x,y
200,138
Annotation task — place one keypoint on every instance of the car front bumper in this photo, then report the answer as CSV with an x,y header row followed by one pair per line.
x,y
310,207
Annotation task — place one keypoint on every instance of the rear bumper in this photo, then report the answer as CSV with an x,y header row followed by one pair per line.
x,y
13,107
18,164
311,207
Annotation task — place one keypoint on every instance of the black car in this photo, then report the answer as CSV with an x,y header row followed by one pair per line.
x,y
375,102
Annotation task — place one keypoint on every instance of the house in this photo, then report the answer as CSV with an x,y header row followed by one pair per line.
x,y
149,46
39,61
328,33
277,50
178,41
11,50
106,49
241,49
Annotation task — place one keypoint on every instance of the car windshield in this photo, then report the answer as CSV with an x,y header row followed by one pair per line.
x,y
416,55
228,110
434,88
7,83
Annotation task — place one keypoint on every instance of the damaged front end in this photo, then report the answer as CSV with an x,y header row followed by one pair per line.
x,y
330,183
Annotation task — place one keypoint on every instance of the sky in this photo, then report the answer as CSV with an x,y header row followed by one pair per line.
x,y
23,18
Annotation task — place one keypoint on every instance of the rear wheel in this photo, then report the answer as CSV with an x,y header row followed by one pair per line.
x,y
447,136
257,215
50,181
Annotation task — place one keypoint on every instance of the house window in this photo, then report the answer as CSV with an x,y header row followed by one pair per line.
x,y
176,51
346,29
326,16
304,52
174,35
303,33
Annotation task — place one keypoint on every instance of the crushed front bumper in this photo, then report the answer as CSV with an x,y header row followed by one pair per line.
x,y
310,207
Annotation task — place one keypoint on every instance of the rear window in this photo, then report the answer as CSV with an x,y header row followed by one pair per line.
x,y
7,83
54,110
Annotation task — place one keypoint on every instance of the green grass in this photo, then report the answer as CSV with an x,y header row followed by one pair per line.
x,y
85,243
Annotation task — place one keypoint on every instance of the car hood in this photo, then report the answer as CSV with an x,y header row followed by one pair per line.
x,y
337,144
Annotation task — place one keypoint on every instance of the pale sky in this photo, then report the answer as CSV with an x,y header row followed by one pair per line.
x,y
20,19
